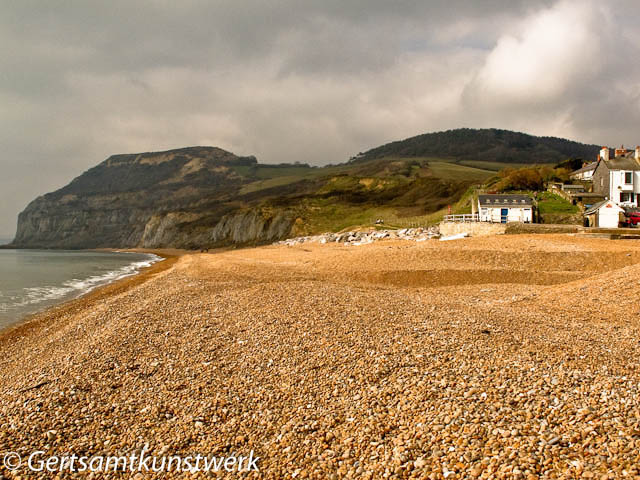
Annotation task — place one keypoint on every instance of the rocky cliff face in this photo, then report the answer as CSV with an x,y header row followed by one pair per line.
x,y
253,226
186,198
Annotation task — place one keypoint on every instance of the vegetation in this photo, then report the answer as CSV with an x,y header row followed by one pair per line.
x,y
552,203
493,166
453,171
487,145
528,178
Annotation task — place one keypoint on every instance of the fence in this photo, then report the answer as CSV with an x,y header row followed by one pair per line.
x,y
486,218
465,218
394,221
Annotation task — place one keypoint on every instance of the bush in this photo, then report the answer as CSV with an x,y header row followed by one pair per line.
x,y
530,178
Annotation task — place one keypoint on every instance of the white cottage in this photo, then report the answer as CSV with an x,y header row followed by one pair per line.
x,y
585,173
618,178
604,214
505,208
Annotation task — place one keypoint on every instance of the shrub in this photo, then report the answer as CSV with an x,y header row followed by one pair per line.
x,y
530,178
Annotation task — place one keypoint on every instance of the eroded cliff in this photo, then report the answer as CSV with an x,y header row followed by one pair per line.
x,y
185,198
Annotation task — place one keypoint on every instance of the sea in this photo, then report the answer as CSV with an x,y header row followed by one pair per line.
x,y
32,280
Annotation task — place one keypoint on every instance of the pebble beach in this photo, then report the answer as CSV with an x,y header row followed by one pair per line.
x,y
513,356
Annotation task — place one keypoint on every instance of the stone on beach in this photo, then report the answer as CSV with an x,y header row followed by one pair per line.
x,y
356,238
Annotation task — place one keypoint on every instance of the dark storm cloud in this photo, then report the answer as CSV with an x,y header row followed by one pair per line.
x,y
298,80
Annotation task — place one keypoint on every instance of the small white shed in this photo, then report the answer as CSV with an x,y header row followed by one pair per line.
x,y
604,214
505,208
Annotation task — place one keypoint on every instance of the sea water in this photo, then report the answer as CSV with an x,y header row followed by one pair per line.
x,y
32,280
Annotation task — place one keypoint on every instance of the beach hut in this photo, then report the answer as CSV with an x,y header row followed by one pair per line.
x,y
604,214
505,208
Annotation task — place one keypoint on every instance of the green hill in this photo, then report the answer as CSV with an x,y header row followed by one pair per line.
x,y
486,145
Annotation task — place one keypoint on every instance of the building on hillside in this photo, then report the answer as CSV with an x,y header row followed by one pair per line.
x,y
576,194
587,199
585,173
572,189
605,214
505,208
617,178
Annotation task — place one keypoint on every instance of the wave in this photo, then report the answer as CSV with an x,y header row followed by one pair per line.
x,y
76,287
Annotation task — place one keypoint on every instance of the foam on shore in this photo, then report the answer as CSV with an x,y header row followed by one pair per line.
x,y
33,299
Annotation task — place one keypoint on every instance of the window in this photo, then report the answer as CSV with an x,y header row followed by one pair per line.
x,y
626,197
628,177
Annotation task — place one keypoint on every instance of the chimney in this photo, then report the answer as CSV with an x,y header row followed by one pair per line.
x,y
604,153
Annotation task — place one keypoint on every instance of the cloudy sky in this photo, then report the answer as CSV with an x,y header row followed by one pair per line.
x,y
286,80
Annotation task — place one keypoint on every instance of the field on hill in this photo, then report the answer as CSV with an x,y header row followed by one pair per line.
x,y
402,192
496,166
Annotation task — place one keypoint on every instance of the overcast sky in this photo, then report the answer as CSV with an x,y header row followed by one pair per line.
x,y
290,80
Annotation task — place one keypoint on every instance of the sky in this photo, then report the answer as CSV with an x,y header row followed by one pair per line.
x,y
298,80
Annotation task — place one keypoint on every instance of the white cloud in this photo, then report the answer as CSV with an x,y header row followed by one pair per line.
x,y
546,56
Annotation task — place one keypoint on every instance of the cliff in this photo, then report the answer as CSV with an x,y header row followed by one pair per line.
x,y
178,198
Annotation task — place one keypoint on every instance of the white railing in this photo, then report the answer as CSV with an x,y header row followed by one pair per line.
x,y
466,218
492,218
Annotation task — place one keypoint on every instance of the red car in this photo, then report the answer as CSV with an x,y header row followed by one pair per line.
x,y
633,219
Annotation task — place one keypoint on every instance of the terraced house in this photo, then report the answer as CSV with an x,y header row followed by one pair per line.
x,y
618,178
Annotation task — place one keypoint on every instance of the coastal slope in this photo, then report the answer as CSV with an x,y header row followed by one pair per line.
x,y
205,197
488,357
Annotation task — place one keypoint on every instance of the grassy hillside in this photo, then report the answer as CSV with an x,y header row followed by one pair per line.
x,y
403,192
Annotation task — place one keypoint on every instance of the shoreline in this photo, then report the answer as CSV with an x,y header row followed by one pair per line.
x,y
32,321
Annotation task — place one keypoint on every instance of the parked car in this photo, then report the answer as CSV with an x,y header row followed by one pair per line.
x,y
632,220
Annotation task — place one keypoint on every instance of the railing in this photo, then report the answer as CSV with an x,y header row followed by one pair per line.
x,y
474,217
393,221
466,218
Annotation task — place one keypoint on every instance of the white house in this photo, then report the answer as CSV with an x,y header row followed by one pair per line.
x,y
505,208
604,214
618,178
584,173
